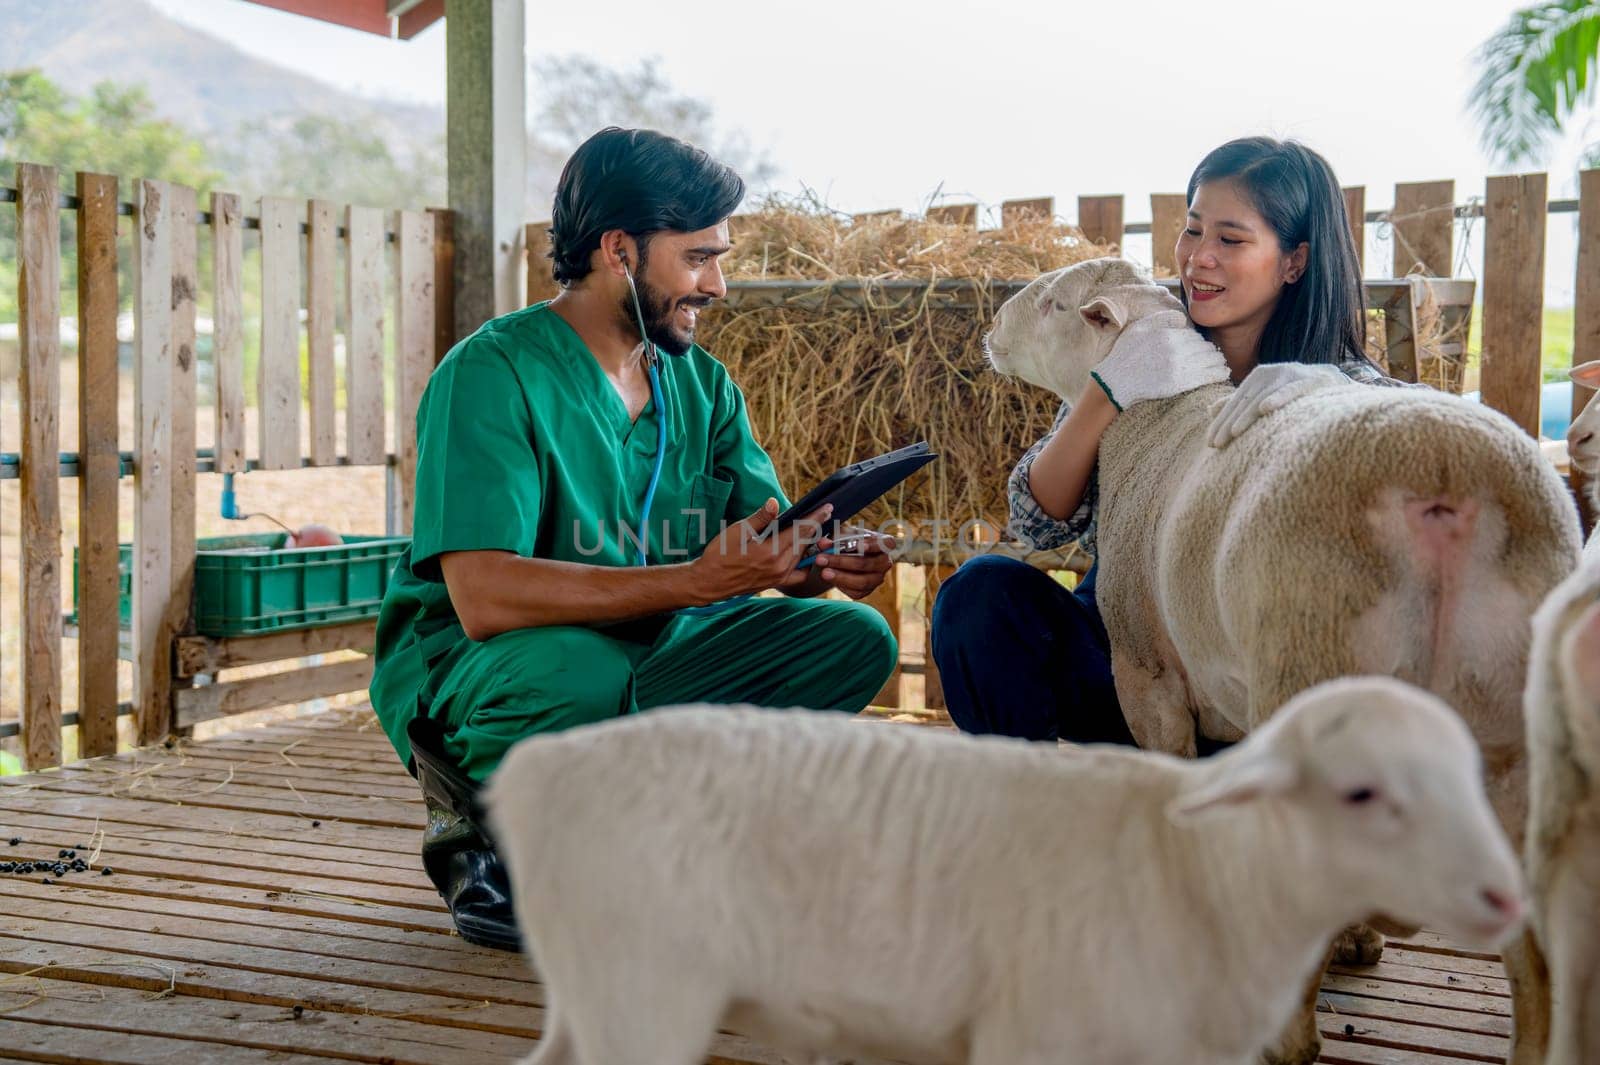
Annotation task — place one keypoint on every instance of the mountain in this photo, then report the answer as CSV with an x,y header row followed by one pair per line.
x,y
201,82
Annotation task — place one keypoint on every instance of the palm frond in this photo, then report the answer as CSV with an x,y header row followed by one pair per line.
x,y
1539,68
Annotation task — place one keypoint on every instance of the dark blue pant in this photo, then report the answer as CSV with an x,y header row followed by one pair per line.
x,y
1020,655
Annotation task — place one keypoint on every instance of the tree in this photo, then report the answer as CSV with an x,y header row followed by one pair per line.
x,y
1539,70
576,97
112,130
335,159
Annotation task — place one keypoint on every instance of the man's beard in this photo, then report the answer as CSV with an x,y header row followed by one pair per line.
x,y
658,311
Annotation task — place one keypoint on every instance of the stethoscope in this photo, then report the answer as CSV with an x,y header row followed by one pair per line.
x,y
652,361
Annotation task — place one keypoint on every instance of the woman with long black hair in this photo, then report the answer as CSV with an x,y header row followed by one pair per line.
x,y
1270,275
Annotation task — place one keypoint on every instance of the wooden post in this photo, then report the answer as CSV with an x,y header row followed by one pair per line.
x,y
886,601
1042,209
955,214
278,374
98,465
1100,219
185,284
1586,312
39,399
322,262
932,687
227,337
444,282
152,462
1513,296
486,152
1169,213
541,285
414,350
1355,211
365,441
1423,223
1400,335
891,214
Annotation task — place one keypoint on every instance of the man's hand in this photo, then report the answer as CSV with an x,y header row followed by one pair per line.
x,y
1267,388
859,564
751,556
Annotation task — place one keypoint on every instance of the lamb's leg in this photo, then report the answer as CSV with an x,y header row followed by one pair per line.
x,y
1301,1043
555,1043
1530,1000
1573,935
634,1016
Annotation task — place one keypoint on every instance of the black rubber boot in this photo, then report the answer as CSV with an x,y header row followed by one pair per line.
x,y
457,853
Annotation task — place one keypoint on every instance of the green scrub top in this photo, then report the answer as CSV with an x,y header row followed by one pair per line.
x,y
523,445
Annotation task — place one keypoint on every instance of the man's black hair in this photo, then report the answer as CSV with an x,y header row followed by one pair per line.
x,y
638,181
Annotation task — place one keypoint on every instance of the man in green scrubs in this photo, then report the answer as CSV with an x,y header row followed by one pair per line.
x,y
522,605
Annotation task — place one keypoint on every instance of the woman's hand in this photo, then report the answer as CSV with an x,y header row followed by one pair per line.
x,y
1265,389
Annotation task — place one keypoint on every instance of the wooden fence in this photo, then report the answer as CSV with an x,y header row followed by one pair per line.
x,y
301,246
1423,223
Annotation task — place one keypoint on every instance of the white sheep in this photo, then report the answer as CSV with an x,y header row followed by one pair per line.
x,y
833,888
1357,530
1563,844
1583,435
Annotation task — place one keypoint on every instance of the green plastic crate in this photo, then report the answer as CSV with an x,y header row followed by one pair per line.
x,y
252,584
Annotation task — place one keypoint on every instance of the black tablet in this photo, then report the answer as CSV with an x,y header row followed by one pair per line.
x,y
852,488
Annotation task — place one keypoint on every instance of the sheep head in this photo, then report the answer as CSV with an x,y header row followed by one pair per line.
x,y
1372,768
1061,326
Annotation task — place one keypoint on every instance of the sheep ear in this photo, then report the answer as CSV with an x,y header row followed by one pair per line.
x,y
1104,314
1580,655
1586,374
1241,780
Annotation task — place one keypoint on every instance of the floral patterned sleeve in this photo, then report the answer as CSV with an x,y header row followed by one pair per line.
x,y
1363,372
1028,520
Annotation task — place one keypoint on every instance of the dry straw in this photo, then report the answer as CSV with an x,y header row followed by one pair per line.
x,y
870,365
863,370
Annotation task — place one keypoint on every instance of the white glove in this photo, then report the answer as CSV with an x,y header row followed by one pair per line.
x,y
1153,360
1266,389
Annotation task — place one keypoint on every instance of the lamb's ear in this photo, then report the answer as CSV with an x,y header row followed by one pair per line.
x,y
1586,374
1580,655
1104,313
1235,781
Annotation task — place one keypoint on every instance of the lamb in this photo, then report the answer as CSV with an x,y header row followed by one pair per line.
x,y
1356,530
1583,435
1563,839
833,888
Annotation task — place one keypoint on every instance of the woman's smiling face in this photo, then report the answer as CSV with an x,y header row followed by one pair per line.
x,y
1230,261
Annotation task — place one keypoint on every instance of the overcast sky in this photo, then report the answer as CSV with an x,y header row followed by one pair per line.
x,y
880,104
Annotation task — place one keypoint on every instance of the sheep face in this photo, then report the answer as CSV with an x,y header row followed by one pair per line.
x,y
1056,330
1388,781
1583,435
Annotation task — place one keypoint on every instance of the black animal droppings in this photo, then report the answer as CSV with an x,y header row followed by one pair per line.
x,y
63,854
58,869
316,824
298,1011
46,880
15,840
1349,1029
106,871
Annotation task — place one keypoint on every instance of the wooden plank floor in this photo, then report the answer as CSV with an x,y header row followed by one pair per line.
x,y
266,903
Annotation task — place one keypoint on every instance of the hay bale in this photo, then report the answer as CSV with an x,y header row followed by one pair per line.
x,y
838,378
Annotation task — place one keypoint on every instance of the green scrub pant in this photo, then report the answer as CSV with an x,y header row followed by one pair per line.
x,y
817,653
